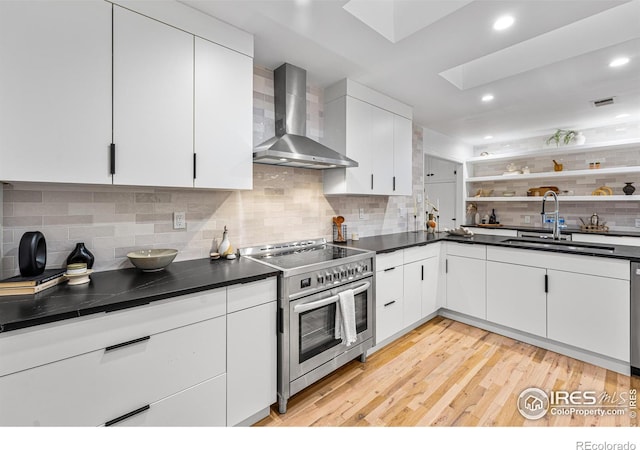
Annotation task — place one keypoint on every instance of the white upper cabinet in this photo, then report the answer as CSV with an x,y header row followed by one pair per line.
x,y
402,155
55,91
152,101
374,130
223,117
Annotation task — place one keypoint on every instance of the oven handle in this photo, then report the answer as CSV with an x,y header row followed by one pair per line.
x,y
327,301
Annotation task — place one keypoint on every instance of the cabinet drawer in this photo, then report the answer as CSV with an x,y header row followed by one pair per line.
x,y
414,254
95,387
243,296
590,265
467,250
43,344
201,405
389,317
385,261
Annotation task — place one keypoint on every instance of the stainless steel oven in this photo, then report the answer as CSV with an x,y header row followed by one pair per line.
x,y
312,323
313,274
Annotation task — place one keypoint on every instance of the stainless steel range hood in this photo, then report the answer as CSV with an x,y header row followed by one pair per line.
x,y
290,146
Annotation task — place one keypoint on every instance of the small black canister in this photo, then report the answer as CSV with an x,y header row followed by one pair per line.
x,y
81,254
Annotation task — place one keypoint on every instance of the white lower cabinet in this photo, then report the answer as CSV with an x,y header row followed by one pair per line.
x,y
516,297
252,351
184,361
584,301
466,286
413,279
590,312
389,295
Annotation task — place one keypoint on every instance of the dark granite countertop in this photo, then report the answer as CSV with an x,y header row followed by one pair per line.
x,y
126,288
567,230
391,242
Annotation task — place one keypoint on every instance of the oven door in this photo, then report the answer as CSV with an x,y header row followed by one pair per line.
x,y
312,326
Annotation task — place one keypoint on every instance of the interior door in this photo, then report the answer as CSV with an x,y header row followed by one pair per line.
x,y
443,195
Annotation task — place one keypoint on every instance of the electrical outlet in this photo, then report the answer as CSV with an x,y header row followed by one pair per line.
x,y
179,220
527,219
637,223
361,213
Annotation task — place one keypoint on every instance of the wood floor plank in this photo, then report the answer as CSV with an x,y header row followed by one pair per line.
x,y
445,373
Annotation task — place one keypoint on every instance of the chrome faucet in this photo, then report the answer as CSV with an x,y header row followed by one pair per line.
x,y
556,227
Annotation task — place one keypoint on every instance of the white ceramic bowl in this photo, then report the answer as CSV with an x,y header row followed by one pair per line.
x,y
152,260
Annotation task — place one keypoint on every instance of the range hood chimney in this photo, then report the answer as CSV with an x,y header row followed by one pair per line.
x,y
290,146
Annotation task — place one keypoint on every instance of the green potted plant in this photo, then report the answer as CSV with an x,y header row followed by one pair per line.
x,y
566,136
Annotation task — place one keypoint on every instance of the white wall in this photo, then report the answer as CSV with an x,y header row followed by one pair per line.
x,y
446,147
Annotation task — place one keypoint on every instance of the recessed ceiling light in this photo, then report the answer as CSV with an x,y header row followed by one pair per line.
x,y
488,137
503,23
622,116
619,62
487,97
621,129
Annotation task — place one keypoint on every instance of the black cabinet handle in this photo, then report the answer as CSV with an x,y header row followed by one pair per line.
x,y
389,269
371,181
124,344
546,283
390,303
422,273
126,416
394,183
446,266
112,159
281,320
194,165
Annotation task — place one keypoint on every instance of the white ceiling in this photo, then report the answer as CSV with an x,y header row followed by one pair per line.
x,y
543,71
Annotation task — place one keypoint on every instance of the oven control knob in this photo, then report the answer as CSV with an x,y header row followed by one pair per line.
x,y
328,277
336,275
320,279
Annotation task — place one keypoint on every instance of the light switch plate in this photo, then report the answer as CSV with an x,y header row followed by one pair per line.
x,y
527,219
179,220
637,223
361,213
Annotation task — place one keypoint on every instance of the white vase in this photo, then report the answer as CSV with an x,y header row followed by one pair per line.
x,y
225,246
579,139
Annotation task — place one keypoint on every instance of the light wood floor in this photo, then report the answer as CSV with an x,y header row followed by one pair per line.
x,y
445,373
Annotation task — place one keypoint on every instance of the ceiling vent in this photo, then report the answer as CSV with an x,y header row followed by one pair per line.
x,y
603,102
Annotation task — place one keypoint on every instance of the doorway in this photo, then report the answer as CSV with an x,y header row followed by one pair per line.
x,y
441,189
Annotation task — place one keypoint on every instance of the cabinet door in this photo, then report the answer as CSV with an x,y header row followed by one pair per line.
x,y
389,302
223,117
431,285
202,405
381,129
589,312
402,155
251,361
359,146
55,86
516,297
152,101
466,286
413,287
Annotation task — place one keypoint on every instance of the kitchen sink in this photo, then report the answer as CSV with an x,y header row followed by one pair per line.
x,y
559,245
